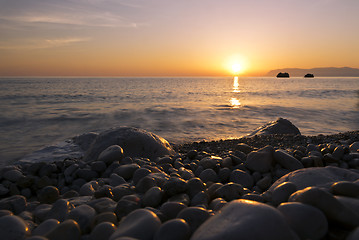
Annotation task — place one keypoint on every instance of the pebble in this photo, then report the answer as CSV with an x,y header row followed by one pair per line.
x,y
88,189
331,207
242,177
307,221
141,224
229,191
102,231
171,209
125,207
48,194
103,204
261,160
345,188
208,175
67,230
13,175
106,217
126,171
84,215
245,219
264,183
195,185
98,166
282,192
15,204
354,147
111,154
116,180
175,229
287,161
200,199
45,227
175,186
13,228
194,216
181,198
139,174
153,197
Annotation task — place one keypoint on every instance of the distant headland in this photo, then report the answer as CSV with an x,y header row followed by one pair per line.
x,y
318,72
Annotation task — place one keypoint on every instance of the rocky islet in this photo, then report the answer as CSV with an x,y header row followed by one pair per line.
x,y
262,187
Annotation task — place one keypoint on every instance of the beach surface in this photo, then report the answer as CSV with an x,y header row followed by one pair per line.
x,y
132,184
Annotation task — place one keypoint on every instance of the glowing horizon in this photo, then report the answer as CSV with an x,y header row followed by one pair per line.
x,y
175,38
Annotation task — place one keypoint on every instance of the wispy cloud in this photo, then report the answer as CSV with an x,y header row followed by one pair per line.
x,y
90,13
41,43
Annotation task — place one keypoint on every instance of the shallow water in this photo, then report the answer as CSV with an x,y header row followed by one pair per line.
x,y
36,112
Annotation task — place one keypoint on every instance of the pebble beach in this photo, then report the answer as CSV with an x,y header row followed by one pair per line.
x,y
132,184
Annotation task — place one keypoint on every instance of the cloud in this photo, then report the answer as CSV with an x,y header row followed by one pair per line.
x,y
88,13
42,43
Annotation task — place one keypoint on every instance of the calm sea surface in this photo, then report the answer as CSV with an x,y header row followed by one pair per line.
x,y
36,112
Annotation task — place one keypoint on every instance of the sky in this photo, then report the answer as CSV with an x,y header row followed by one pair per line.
x,y
175,38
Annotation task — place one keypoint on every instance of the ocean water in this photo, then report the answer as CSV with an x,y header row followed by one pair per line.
x,y
37,112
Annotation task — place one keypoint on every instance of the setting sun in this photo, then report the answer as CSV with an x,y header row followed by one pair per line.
x,y
236,68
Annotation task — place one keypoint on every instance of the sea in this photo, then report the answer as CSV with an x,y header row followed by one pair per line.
x,y
40,112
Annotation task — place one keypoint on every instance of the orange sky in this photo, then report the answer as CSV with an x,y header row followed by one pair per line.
x,y
173,38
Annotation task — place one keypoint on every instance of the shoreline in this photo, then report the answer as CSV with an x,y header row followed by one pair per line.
x,y
303,183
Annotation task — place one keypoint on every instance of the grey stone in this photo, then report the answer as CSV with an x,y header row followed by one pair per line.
x,y
264,183
171,209
13,228
102,231
242,177
200,199
116,180
85,140
84,215
59,210
208,175
141,224
245,219
111,154
153,197
175,186
195,185
354,147
134,142
48,194
126,171
308,222
229,191
89,188
67,230
282,192
3,190
345,188
320,177
126,206
106,217
15,204
261,160
287,161
98,166
244,148
181,198
103,204
175,229
194,216
13,175
45,227
280,126
328,204
139,174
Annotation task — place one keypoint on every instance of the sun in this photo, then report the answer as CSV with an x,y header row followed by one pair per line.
x,y
236,68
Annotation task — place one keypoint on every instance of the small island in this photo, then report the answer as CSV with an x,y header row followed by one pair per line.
x,y
309,75
283,75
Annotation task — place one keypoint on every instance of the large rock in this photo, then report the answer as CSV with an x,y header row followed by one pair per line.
x,y
321,177
280,126
135,143
261,160
13,228
245,219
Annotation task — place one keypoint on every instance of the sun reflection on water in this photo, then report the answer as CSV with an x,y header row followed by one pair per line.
x,y
236,84
234,101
